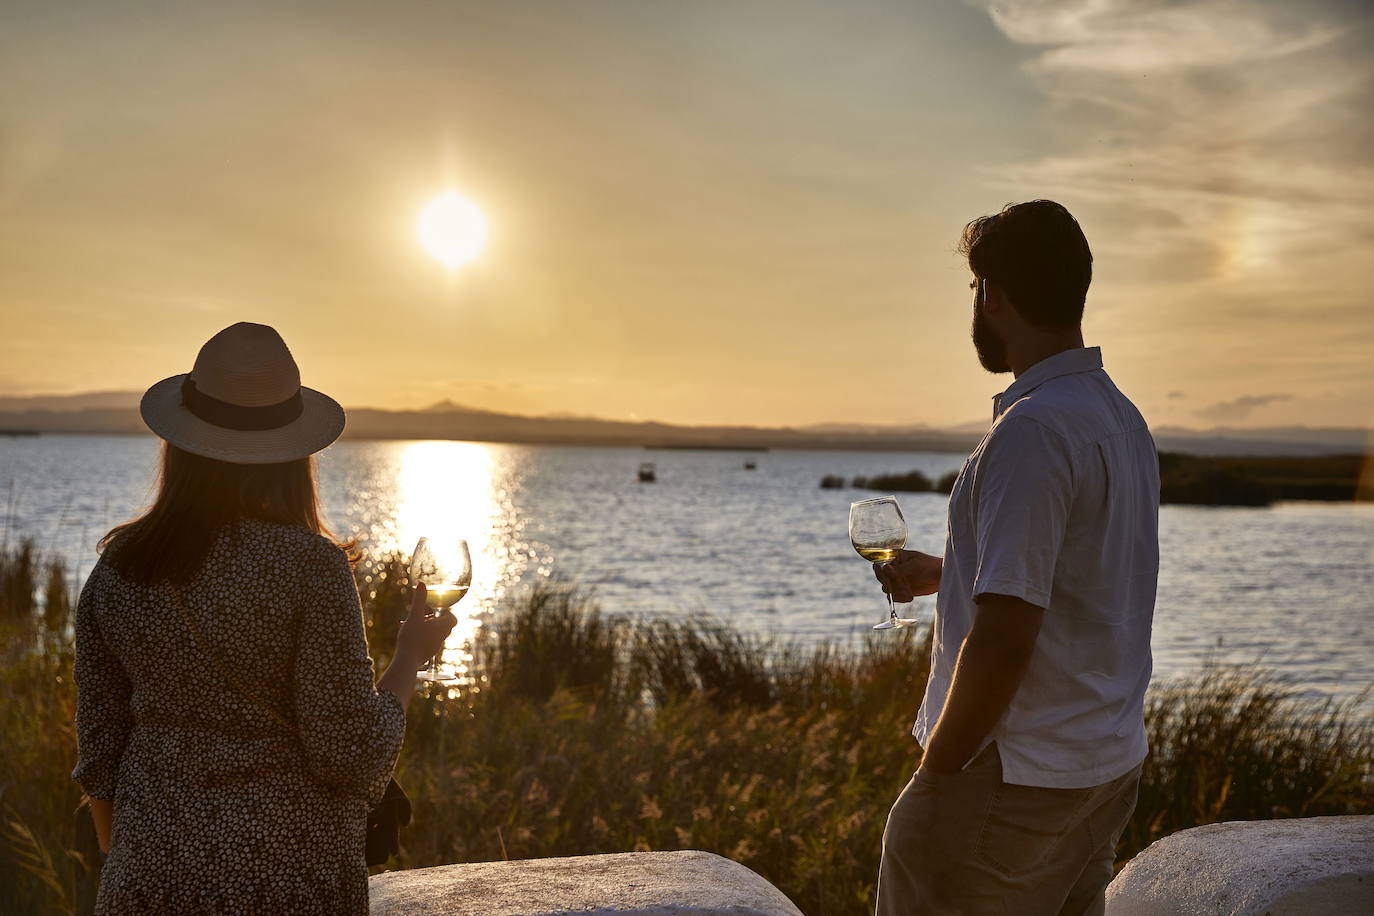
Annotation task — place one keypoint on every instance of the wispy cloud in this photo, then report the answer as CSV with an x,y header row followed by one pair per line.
x,y
1222,137
1238,408
1130,36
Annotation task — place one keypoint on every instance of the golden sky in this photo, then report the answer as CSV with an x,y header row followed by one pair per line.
x,y
717,211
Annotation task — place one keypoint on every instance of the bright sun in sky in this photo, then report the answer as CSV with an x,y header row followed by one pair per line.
x,y
452,229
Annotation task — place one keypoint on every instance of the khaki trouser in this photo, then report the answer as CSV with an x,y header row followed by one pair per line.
x,y
967,842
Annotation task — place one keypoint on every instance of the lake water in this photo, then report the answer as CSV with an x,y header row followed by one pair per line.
x,y
767,550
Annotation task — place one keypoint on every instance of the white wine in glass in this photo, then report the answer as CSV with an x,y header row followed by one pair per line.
x,y
878,554
877,529
447,576
444,594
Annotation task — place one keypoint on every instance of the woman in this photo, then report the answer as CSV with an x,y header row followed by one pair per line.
x,y
231,738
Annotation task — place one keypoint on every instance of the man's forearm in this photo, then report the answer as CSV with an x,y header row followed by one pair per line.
x,y
986,678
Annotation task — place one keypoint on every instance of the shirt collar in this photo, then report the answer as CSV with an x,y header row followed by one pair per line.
x,y
1067,362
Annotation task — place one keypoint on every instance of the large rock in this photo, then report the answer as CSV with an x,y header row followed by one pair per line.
x,y
628,884
1316,865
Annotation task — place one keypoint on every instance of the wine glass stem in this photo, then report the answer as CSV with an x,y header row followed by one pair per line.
x,y
891,605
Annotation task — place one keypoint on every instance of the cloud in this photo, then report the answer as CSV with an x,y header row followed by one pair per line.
x,y
1238,408
1134,36
1212,140
1176,395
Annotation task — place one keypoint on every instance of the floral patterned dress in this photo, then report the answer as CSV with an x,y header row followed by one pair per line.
x,y
220,807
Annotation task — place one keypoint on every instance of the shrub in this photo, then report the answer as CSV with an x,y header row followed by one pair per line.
x,y
910,482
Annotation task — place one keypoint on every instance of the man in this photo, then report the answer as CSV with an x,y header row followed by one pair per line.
x,y
1032,724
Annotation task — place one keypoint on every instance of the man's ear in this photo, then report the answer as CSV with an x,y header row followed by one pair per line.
x,y
993,303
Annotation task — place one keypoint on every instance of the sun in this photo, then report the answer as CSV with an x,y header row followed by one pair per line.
x,y
452,229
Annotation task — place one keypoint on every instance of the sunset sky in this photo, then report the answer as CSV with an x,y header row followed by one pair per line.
x,y
716,211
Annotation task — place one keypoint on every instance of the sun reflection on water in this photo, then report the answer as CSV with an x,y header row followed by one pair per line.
x,y
447,493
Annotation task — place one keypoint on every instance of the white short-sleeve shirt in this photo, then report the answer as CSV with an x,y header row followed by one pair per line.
x,y
1059,506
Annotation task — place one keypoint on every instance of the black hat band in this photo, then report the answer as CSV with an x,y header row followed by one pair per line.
x,y
236,416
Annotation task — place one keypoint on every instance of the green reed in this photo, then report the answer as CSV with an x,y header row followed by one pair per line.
x,y
591,733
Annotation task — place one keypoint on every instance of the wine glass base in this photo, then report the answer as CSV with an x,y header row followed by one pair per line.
x,y
895,623
441,676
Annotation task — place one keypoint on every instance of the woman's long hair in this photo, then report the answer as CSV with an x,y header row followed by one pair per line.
x,y
198,498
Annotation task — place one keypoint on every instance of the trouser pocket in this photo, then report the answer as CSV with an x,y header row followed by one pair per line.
x,y
1025,824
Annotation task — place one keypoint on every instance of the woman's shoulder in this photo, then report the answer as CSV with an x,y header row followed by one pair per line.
x,y
103,574
108,580
294,539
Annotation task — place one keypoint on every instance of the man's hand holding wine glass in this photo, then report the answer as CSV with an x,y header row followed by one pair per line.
x,y
909,576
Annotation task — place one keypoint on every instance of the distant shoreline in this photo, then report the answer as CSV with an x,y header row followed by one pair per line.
x,y
801,446
1201,480
77,415
791,440
708,448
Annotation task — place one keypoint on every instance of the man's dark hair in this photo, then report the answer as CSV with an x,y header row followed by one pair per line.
x,y
1037,254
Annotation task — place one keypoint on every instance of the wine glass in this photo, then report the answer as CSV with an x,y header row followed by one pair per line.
x,y
447,575
877,530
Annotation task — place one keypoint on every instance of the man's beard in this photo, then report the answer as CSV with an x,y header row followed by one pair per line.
x,y
992,353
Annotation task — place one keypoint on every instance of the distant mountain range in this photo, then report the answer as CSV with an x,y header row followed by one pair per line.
x,y
117,412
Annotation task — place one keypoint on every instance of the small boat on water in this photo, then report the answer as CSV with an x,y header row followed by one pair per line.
x,y
750,465
646,472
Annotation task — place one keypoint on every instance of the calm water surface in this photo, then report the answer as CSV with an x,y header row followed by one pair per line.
x,y
1290,586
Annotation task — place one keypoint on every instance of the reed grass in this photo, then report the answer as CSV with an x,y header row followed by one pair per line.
x,y
591,733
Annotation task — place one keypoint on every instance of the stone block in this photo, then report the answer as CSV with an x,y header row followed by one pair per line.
x,y
627,884
1298,867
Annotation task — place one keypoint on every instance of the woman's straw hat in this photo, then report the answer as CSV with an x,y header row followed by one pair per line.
x,y
243,402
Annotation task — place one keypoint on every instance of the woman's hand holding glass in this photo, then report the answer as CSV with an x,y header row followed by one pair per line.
x,y
441,574
422,637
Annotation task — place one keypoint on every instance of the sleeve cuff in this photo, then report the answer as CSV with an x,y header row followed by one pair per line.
x,y
1027,592
389,697
101,789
